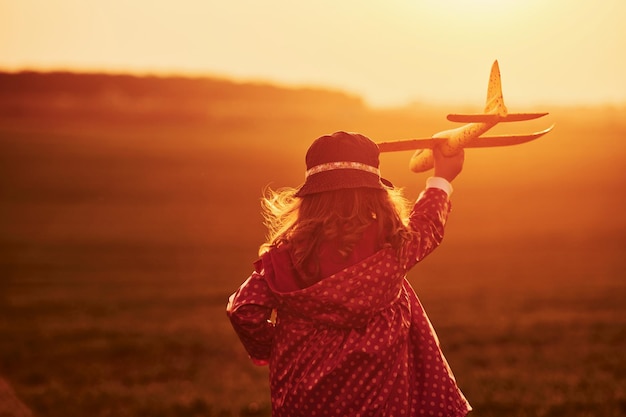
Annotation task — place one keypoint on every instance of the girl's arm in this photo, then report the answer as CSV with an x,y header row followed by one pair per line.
x,y
431,210
427,222
249,310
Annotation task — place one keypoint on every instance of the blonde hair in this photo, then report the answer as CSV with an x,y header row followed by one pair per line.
x,y
304,222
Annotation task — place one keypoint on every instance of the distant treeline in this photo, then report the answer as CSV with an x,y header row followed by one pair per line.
x,y
129,97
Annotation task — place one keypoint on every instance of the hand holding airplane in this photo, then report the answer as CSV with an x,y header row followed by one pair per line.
x,y
451,141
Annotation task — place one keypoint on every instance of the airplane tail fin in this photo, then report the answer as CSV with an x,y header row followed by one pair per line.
x,y
495,110
495,101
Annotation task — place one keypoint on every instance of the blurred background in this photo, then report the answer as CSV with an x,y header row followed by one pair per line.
x,y
137,139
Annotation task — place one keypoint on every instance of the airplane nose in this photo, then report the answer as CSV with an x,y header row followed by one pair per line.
x,y
422,160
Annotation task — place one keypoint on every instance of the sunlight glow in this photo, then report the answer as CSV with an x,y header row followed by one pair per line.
x,y
389,53
480,6
477,12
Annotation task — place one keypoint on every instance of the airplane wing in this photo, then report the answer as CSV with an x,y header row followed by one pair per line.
x,y
480,142
493,118
410,144
505,140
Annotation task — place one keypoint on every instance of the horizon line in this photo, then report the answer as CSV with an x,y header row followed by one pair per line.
x,y
200,75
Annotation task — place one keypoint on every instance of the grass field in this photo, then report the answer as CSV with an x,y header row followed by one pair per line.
x,y
120,244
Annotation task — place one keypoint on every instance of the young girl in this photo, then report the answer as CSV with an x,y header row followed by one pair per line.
x,y
328,306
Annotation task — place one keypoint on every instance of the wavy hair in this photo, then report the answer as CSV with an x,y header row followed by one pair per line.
x,y
342,215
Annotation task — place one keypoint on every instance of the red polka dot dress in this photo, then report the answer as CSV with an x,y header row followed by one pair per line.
x,y
357,342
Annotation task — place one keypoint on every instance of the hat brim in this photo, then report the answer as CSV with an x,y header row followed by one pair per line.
x,y
341,179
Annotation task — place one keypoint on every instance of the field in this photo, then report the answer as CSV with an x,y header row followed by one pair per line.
x,y
122,238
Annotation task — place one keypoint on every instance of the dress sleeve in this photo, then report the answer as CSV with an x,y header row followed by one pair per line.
x,y
249,310
427,221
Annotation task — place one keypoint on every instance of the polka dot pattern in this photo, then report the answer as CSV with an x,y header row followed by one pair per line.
x,y
357,343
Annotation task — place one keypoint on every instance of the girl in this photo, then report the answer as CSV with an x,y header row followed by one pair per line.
x,y
328,306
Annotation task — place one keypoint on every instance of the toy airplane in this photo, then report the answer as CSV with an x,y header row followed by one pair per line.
x,y
469,135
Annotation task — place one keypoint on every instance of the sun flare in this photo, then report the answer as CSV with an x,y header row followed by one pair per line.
x,y
475,5
476,10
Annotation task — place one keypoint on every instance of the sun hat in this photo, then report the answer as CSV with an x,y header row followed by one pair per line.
x,y
342,160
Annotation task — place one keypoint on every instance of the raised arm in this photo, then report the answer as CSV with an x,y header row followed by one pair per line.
x,y
430,212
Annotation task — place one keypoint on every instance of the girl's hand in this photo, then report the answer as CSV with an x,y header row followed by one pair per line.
x,y
448,167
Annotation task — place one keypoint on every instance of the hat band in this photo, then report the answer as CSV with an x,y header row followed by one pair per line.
x,y
341,165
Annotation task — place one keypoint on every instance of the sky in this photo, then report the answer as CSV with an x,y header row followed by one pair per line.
x,y
389,52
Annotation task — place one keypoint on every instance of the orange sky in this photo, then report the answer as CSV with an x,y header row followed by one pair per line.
x,y
390,52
